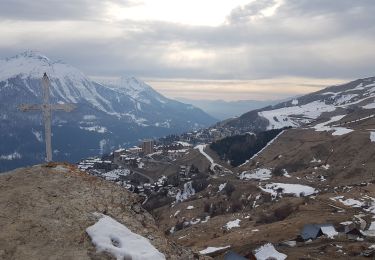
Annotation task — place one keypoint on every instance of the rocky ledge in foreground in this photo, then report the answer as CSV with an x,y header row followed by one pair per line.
x,y
45,211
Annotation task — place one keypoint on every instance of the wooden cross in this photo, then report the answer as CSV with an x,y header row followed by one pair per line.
x,y
47,109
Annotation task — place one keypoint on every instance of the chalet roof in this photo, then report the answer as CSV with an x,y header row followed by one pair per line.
x,y
313,231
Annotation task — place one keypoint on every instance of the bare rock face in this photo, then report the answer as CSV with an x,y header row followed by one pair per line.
x,y
45,211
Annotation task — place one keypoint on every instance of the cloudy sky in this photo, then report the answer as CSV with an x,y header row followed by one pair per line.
x,y
203,49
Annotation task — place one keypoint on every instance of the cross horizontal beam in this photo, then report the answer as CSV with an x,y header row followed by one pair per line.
x,y
41,107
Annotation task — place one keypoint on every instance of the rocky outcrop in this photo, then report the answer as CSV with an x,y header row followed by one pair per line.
x,y
45,210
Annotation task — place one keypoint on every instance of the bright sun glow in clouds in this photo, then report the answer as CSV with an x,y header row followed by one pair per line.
x,y
227,49
190,12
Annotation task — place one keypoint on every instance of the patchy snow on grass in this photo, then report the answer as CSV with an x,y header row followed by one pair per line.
x,y
290,243
297,190
267,252
10,157
343,99
110,176
369,106
184,144
186,193
194,221
348,202
141,165
89,117
190,207
116,173
370,232
341,131
329,231
172,230
222,186
257,174
345,223
287,116
207,218
212,249
356,120
110,236
314,160
98,129
334,94
323,126
336,130
372,136
355,102
233,224
285,173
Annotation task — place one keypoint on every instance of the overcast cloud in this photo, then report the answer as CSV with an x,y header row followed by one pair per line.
x,y
46,10
303,40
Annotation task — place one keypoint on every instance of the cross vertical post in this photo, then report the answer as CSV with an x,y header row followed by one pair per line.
x,y
46,109
47,118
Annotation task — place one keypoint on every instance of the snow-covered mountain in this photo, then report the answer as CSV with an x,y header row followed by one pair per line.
x,y
354,97
108,115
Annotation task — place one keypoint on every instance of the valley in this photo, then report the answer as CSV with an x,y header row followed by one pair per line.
x,y
317,173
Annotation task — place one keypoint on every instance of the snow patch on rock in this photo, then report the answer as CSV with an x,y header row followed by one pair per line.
x,y
267,252
297,190
212,249
110,236
233,224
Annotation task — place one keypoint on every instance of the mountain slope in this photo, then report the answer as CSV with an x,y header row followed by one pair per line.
x,y
358,95
321,171
107,115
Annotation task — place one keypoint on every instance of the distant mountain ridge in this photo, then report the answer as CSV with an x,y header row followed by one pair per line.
x,y
222,109
107,116
357,95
